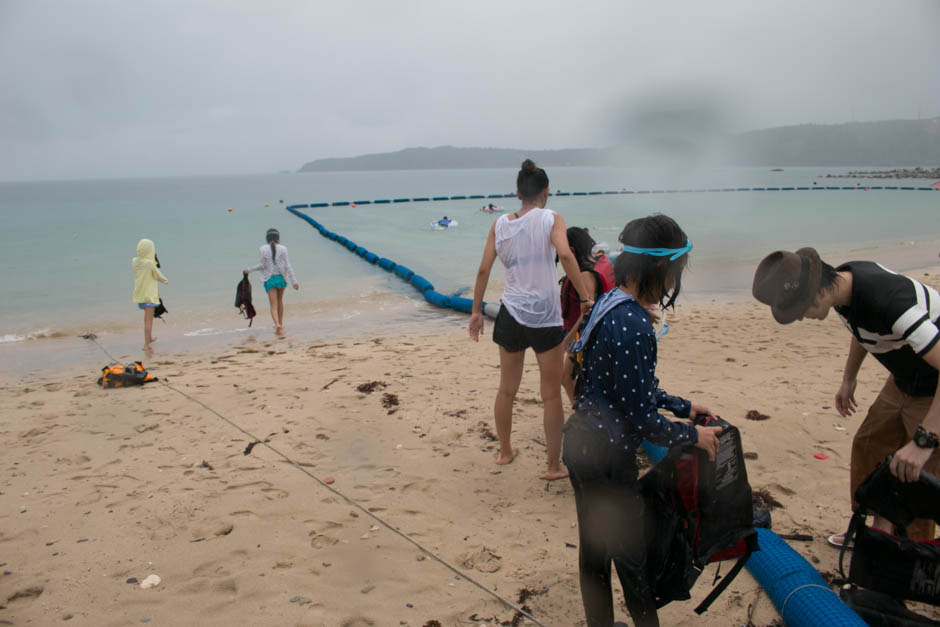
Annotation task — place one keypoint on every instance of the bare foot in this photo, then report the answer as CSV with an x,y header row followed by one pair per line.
x,y
502,460
152,340
279,330
554,475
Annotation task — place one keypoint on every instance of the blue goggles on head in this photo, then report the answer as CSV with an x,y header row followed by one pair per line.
x,y
672,253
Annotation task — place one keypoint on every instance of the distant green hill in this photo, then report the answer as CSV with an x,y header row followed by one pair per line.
x,y
890,143
854,144
451,157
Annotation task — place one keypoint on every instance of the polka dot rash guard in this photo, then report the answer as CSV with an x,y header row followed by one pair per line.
x,y
621,395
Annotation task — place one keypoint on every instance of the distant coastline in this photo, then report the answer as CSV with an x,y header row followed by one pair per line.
x,y
892,143
915,173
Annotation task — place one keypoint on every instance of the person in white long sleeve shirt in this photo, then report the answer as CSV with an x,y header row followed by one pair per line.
x,y
274,266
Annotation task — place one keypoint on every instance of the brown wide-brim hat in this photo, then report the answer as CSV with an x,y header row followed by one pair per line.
x,y
788,282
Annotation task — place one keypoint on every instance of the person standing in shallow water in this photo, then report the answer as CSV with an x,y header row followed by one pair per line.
x,y
274,265
526,242
146,294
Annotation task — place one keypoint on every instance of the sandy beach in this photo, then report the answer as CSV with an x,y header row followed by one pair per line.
x,y
104,488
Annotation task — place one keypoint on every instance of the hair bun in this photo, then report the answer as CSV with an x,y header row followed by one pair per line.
x,y
529,166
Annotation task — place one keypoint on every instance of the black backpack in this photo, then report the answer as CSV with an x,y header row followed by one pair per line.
x,y
698,512
894,565
243,299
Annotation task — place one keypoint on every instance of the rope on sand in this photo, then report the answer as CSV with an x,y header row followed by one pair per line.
x,y
350,501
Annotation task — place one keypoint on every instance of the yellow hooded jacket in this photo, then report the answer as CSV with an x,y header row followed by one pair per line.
x,y
146,273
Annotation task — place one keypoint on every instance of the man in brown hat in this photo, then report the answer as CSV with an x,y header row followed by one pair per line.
x,y
894,318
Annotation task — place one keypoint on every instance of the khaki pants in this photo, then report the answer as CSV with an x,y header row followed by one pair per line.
x,y
889,425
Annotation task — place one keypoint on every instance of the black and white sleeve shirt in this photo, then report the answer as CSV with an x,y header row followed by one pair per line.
x,y
895,319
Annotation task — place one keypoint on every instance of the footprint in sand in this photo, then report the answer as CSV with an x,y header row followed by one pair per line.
x,y
482,559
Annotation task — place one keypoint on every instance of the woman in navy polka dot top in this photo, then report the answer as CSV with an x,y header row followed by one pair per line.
x,y
618,408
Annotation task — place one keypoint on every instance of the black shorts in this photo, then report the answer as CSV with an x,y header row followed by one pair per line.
x,y
515,337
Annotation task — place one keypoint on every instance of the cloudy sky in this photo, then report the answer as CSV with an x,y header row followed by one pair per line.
x,y
101,89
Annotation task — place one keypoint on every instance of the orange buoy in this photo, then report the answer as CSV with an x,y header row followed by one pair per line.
x,y
353,205
230,210
265,204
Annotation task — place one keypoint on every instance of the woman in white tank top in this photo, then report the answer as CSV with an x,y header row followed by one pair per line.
x,y
526,242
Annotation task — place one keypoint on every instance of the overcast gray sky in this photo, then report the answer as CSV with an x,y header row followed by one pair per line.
x,y
101,89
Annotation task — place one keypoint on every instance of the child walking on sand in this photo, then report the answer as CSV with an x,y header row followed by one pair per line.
x,y
274,264
526,243
146,275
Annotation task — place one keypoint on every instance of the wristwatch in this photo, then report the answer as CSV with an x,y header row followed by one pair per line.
x,y
925,439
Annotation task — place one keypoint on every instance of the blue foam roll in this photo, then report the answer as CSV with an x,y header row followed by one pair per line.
x,y
476,196
404,272
436,299
386,264
458,197
464,305
495,196
360,250
341,240
383,201
333,236
319,204
341,203
423,199
442,198
801,595
421,283
370,257
362,202
351,245
401,200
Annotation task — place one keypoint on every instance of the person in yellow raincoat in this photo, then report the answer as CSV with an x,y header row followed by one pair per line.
x,y
146,275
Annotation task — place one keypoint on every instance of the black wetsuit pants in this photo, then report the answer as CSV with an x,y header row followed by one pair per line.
x,y
610,525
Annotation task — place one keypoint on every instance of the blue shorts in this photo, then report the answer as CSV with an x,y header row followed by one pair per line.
x,y
146,305
275,281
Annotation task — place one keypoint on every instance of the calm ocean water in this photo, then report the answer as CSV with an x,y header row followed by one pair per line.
x,y
66,246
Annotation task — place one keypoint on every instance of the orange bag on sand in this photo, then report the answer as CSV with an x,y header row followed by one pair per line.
x,y
124,376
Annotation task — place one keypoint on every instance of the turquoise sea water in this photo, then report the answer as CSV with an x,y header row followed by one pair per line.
x,y
66,246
